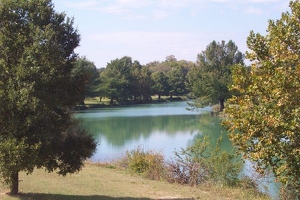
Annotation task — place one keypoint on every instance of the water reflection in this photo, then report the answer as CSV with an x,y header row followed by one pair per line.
x,y
120,130
161,127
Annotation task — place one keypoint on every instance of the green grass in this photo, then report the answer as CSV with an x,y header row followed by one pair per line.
x,y
101,182
96,100
92,101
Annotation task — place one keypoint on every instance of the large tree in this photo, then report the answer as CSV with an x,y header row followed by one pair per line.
x,y
264,118
38,91
210,78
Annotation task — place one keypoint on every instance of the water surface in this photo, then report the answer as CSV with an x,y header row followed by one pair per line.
x,y
164,127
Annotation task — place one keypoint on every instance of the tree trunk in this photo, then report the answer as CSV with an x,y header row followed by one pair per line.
x,y
171,95
14,187
221,102
159,97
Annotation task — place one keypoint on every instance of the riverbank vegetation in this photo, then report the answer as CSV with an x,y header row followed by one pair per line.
x,y
106,182
197,164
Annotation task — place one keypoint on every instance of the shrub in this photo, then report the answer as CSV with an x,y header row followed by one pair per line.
x,y
202,162
184,172
148,163
224,167
247,182
289,192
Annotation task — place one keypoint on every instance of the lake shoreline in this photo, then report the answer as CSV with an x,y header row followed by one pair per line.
x,y
98,104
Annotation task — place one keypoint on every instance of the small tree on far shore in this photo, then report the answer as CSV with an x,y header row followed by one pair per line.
x,y
210,78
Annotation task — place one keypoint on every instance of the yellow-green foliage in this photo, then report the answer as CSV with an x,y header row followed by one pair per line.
x,y
264,116
149,163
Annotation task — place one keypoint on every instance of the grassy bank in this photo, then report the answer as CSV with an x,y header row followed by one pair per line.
x,y
94,102
102,182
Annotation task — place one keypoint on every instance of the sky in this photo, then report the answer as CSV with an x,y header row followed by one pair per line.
x,y
150,30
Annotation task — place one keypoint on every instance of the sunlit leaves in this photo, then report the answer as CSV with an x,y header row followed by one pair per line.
x,y
263,116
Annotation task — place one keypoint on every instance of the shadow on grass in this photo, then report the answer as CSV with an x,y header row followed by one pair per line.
x,y
36,196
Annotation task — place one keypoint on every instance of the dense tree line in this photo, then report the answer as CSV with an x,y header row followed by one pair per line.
x,y
124,79
207,80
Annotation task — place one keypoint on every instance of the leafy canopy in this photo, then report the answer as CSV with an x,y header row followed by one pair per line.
x,y
210,78
38,92
116,77
264,119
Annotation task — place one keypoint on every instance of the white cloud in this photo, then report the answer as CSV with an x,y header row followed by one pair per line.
x,y
160,14
139,9
167,4
100,4
114,9
150,46
246,1
134,3
102,42
253,10
82,4
173,4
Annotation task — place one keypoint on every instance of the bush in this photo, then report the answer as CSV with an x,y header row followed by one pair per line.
x,y
247,182
183,172
196,164
289,192
202,162
148,163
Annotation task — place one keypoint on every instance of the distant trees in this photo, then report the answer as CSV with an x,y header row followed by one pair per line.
x,y
116,79
210,78
207,80
124,80
170,77
159,84
177,81
264,116
142,86
85,72
38,90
